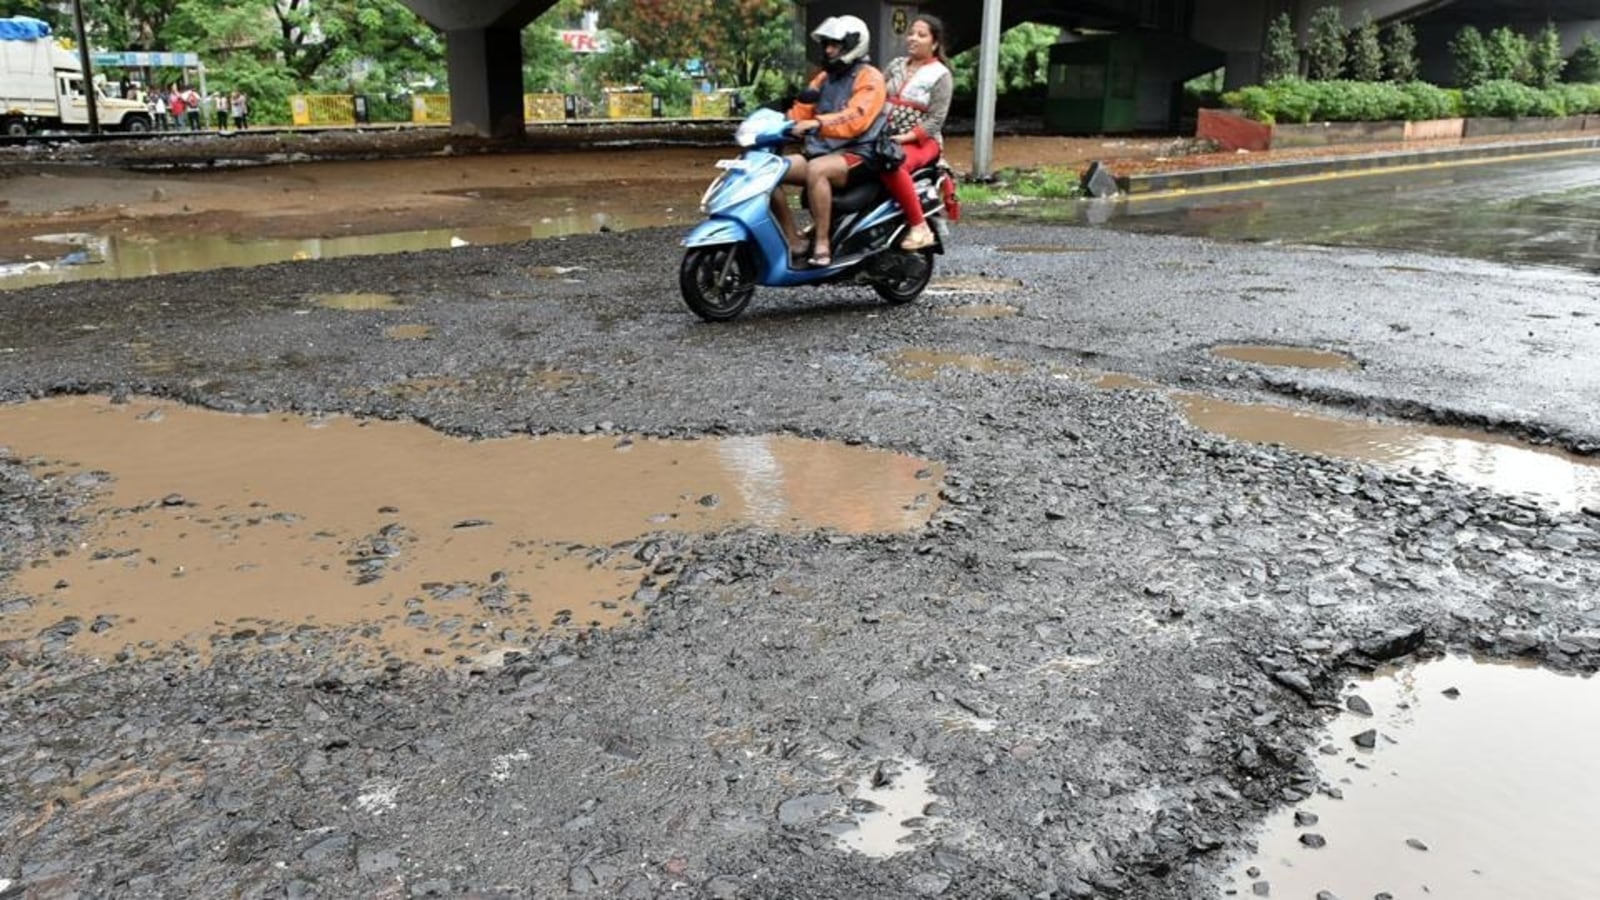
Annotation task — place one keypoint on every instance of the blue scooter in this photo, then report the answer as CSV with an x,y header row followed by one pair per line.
x,y
741,245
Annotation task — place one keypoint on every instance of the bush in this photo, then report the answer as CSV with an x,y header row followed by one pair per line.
x,y
1470,53
1280,58
1424,101
1503,98
1327,51
1366,51
1580,99
1400,53
1584,66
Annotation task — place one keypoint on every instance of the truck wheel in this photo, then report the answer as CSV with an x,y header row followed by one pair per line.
x,y
137,125
13,127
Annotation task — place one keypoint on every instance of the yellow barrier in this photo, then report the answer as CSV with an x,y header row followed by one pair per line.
x,y
322,109
718,105
544,107
629,104
430,109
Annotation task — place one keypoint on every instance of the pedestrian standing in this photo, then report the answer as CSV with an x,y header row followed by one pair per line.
x,y
240,105
191,102
158,108
177,108
219,107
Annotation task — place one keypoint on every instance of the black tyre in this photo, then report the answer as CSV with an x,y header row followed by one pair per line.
x,y
910,279
717,282
136,125
14,127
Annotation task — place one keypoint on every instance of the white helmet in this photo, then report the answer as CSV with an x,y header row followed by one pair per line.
x,y
850,33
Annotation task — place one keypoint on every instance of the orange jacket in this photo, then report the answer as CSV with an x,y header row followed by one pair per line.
x,y
867,97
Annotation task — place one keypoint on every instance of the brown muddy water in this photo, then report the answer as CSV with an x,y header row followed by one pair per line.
x,y
114,256
206,523
1290,357
1504,465
1481,784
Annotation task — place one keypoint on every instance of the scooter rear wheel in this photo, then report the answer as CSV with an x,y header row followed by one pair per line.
x,y
717,282
912,281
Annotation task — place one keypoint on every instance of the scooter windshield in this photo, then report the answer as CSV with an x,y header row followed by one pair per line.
x,y
764,126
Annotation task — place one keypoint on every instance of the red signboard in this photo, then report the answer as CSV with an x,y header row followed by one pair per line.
x,y
584,41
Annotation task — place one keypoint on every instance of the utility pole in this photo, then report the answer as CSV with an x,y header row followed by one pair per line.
x,y
988,74
88,73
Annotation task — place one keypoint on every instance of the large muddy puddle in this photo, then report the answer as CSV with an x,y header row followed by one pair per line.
x,y
1479,783
422,545
1503,465
84,257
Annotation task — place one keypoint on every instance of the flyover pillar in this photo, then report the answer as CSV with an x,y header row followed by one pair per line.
x,y
485,80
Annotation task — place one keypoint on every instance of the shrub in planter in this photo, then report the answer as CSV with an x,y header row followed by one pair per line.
x,y
1580,99
1508,100
1423,101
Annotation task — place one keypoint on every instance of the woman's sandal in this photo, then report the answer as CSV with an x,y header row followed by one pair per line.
x,y
821,260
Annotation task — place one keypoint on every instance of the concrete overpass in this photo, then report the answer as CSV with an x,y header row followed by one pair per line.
x,y
1182,38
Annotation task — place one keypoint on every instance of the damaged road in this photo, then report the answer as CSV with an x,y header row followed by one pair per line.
x,y
1096,667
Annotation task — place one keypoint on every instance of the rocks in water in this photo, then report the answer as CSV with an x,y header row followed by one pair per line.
x,y
1366,740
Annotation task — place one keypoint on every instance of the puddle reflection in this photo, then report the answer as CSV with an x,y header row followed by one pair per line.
x,y
205,520
895,797
1481,786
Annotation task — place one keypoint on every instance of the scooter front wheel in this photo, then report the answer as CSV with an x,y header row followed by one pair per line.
x,y
717,282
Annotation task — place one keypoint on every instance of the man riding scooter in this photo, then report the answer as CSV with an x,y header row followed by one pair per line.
x,y
840,116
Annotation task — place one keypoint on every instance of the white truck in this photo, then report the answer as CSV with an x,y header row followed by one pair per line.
x,y
41,86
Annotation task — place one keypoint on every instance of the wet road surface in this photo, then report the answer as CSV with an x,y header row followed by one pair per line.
x,y
1543,211
1103,656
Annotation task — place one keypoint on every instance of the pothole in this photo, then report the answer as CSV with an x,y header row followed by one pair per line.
x,y
891,809
979,311
1470,781
925,365
1290,357
971,284
358,302
409,332
118,256
1503,465
427,546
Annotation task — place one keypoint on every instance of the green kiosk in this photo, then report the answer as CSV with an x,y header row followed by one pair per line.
x,y
1094,86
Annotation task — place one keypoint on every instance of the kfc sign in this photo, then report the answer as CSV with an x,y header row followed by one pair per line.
x,y
585,41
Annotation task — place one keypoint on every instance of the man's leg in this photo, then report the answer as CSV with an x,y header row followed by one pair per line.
x,y
780,204
823,175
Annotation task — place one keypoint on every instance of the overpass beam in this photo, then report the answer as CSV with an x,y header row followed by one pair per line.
x,y
485,67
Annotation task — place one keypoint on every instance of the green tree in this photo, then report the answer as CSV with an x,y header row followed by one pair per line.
x,y
1326,52
1366,51
1584,66
1280,57
733,39
1400,53
1544,57
1024,62
1509,54
1470,54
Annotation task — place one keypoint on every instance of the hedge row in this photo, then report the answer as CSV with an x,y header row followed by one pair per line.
x,y
1293,100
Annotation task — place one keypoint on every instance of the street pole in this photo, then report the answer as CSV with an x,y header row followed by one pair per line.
x,y
88,73
988,74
